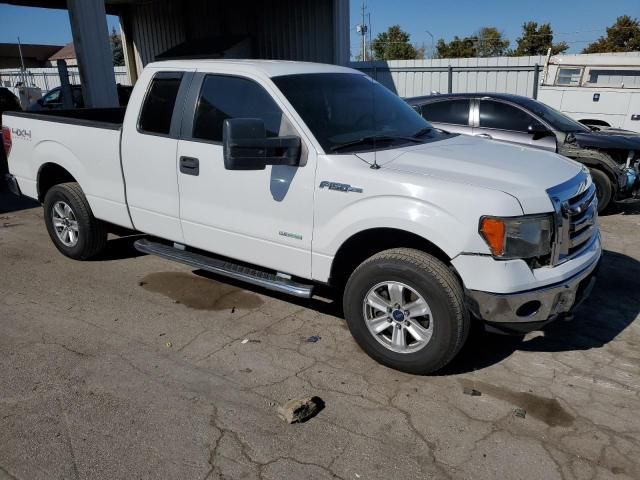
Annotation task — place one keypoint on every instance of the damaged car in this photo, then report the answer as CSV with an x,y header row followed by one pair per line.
x,y
612,155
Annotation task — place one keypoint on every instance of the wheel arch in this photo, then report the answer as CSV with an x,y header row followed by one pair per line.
x,y
49,175
366,243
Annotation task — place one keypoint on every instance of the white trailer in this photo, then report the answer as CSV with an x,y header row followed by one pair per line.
x,y
598,90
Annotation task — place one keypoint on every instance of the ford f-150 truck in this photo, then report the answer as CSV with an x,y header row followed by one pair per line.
x,y
290,175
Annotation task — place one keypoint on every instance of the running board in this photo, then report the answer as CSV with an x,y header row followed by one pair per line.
x,y
266,280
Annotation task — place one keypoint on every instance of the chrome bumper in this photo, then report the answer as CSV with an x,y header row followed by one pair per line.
x,y
524,311
12,184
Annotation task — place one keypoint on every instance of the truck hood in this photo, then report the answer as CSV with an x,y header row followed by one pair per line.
x,y
525,173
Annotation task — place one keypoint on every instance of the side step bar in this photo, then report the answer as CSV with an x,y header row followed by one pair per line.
x,y
227,269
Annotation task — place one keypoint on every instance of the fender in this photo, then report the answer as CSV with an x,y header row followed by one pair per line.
x,y
593,158
447,231
52,152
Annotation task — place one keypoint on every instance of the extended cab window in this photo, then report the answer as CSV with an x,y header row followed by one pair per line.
x,y
503,116
157,109
455,112
225,97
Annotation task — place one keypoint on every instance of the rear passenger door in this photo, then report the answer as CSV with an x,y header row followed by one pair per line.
x,y
508,123
148,150
451,115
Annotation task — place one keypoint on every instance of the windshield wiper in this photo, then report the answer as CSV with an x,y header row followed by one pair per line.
x,y
421,132
369,139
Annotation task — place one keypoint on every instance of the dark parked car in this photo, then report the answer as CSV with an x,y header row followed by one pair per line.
x,y
613,156
8,102
53,99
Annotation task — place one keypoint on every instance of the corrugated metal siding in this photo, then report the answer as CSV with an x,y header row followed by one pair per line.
x,y
155,27
279,29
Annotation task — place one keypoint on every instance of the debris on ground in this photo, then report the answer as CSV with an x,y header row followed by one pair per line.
x,y
233,309
300,410
169,344
471,391
520,412
313,338
246,370
246,340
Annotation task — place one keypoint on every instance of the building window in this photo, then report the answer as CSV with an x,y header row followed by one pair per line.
x,y
569,76
614,77
157,109
224,97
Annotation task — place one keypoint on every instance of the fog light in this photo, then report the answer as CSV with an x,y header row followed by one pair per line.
x,y
528,309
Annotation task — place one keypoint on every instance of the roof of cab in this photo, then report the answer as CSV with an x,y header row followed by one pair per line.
x,y
270,68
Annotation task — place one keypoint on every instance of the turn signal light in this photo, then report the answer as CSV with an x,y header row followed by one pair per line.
x,y
493,231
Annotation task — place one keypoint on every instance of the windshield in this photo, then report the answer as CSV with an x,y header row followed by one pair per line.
x,y
352,112
559,121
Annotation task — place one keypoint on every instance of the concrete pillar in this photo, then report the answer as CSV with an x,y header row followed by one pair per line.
x,y
128,48
93,51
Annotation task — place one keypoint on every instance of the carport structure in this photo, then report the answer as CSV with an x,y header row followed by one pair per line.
x,y
309,30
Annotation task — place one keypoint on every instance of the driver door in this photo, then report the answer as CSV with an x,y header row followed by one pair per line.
x,y
505,122
263,217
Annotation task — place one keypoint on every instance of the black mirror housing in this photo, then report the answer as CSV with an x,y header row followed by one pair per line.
x,y
247,147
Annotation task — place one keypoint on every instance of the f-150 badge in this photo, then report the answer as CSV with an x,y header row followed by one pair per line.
x,y
340,187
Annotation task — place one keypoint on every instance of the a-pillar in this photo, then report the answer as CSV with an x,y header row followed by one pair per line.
x,y
93,51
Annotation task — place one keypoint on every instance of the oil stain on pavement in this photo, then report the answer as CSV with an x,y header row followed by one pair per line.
x,y
199,293
547,410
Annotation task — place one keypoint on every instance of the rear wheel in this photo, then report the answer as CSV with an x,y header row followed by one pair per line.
x,y
71,224
406,309
604,188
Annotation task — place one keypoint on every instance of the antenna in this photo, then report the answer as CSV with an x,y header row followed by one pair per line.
x,y
374,165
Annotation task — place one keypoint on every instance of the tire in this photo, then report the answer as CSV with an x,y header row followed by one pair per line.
x,y
422,275
90,235
604,188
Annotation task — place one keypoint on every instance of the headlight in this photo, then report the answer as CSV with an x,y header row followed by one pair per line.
x,y
518,237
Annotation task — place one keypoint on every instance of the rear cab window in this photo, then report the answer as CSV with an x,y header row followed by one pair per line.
x,y
157,109
455,112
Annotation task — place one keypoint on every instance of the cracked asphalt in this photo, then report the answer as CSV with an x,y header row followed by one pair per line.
x,y
133,367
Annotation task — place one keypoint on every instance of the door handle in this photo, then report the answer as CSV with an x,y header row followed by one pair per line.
x,y
189,166
484,135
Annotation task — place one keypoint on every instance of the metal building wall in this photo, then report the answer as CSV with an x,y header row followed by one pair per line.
x,y
310,30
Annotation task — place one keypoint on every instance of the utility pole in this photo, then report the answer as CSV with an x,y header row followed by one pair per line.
x,y
362,30
24,70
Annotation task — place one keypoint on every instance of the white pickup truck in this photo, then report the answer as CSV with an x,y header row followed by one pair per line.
x,y
289,175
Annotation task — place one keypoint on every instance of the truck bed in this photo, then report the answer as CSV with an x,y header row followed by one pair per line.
x,y
84,142
89,117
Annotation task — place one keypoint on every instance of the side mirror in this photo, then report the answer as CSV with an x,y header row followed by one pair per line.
x,y
40,102
538,130
247,147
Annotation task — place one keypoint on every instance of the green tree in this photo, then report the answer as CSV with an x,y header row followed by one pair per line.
x,y
491,43
622,36
537,40
116,48
394,44
488,42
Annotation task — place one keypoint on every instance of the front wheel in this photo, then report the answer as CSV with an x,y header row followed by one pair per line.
x,y
71,224
603,188
406,310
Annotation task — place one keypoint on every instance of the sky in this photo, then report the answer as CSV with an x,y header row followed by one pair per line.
x,y
46,26
576,22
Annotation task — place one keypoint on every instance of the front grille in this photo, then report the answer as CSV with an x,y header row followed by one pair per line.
x,y
576,218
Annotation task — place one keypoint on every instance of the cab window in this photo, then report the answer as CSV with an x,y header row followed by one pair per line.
x,y
157,109
223,97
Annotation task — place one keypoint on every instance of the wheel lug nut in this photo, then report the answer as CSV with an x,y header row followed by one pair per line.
x,y
399,326
407,313
389,320
407,323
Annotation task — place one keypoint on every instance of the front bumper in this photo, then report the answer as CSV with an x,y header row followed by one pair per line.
x,y
12,184
530,310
